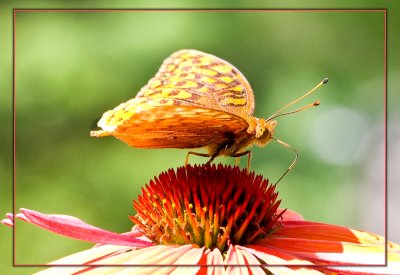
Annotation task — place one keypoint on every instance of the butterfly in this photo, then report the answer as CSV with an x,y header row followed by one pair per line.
x,y
194,100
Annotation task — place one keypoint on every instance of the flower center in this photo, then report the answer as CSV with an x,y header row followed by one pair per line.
x,y
211,206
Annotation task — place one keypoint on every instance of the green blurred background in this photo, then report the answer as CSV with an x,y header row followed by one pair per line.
x,y
73,66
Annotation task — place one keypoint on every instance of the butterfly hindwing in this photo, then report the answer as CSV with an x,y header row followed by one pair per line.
x,y
177,127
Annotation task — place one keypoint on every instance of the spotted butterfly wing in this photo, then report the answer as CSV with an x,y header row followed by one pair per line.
x,y
194,100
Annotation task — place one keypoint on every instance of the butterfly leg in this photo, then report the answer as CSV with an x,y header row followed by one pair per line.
x,y
293,162
196,154
212,157
237,159
238,155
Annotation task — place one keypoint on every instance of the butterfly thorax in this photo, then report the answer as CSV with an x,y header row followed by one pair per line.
x,y
259,132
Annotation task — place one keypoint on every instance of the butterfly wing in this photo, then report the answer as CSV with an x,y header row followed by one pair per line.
x,y
173,127
195,99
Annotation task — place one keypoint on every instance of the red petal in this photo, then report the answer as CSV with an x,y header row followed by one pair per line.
x,y
75,228
316,231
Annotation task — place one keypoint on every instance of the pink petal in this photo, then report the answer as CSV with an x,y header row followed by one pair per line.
x,y
211,259
9,221
290,215
252,261
215,257
276,258
153,255
235,257
75,228
273,256
104,258
191,257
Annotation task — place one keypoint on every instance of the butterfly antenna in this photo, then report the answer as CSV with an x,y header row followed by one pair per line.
x,y
316,103
278,113
293,162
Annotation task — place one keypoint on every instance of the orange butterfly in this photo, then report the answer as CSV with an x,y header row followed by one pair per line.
x,y
195,100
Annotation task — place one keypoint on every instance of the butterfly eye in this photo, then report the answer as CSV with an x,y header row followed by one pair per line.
x,y
260,129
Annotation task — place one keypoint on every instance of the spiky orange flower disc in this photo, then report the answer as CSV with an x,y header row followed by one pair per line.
x,y
211,206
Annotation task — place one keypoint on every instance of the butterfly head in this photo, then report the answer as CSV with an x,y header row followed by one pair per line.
x,y
264,131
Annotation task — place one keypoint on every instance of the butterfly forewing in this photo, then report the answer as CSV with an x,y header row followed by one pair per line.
x,y
190,77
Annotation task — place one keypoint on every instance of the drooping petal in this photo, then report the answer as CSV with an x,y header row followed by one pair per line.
x,y
366,251
144,260
272,257
233,258
154,255
213,259
391,269
324,244
9,221
75,228
254,265
84,258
